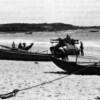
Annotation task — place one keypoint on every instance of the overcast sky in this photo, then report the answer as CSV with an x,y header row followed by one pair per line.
x,y
77,12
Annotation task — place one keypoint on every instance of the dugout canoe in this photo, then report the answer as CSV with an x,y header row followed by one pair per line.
x,y
21,55
73,67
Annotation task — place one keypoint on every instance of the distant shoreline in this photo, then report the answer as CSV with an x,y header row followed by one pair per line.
x,y
37,27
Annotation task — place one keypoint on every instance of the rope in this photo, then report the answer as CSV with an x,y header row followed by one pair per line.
x,y
48,82
15,91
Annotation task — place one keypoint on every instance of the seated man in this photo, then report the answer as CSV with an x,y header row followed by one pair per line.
x,y
13,45
24,47
20,46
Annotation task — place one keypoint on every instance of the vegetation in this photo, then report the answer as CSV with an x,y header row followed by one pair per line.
x,y
25,27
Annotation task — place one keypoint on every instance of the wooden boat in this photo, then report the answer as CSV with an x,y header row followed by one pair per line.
x,y
16,54
73,67
94,31
25,48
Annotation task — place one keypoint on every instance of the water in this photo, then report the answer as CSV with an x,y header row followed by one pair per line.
x,y
41,40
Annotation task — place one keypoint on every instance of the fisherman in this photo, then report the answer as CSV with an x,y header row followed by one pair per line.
x,y
24,45
67,39
20,46
66,53
70,40
61,42
81,48
13,45
59,50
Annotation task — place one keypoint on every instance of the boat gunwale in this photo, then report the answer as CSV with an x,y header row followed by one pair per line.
x,y
12,51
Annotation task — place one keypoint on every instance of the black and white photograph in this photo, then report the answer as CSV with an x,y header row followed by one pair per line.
x,y
49,49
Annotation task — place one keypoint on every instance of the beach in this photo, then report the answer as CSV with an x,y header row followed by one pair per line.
x,y
58,84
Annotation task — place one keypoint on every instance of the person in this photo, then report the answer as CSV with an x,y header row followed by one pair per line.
x,y
13,45
61,42
24,46
81,48
66,53
20,46
68,39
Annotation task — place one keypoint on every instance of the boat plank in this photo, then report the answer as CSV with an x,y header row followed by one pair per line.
x,y
73,67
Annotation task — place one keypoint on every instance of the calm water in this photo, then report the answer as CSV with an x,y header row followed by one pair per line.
x,y
41,40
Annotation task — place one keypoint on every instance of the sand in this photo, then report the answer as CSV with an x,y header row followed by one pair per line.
x,y
21,74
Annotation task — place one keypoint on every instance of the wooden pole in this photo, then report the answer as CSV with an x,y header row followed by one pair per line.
x,y
76,58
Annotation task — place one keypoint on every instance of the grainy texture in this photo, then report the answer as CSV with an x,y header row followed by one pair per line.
x,y
20,74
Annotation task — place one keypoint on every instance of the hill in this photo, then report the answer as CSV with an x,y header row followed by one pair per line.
x,y
25,27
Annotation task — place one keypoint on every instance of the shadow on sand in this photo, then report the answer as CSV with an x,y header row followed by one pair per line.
x,y
57,72
79,73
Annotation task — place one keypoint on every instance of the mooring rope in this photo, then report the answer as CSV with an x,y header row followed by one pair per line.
x,y
15,91
75,72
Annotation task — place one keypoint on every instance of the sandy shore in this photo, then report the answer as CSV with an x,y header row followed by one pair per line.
x,y
20,75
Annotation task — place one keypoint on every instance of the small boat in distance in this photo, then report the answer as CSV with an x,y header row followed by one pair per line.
x,y
94,31
73,67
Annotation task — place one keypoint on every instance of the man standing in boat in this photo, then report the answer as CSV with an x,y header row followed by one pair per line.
x,y
68,39
81,48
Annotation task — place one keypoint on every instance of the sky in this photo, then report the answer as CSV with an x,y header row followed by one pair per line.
x,y
76,12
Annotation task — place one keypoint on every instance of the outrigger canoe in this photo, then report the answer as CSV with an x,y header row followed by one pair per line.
x,y
21,55
73,67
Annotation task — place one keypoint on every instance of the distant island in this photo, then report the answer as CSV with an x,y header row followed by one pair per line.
x,y
36,27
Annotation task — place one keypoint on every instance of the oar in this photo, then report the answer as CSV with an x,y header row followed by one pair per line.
x,y
44,51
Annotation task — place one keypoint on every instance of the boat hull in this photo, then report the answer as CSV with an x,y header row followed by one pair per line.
x,y
23,55
73,67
